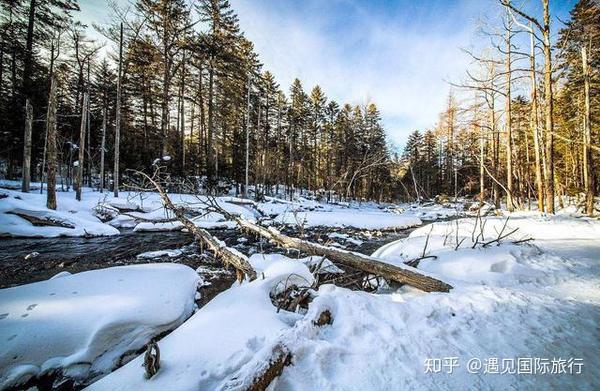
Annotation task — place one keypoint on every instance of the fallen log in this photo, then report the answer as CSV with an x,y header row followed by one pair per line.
x,y
227,255
404,275
40,220
268,364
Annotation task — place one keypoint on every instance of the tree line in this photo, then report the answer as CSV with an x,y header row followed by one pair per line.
x,y
526,125
181,83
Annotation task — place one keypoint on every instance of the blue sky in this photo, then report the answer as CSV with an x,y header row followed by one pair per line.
x,y
399,54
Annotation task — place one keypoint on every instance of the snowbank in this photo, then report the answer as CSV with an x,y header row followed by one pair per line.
x,y
71,218
513,302
101,214
82,324
221,338
351,218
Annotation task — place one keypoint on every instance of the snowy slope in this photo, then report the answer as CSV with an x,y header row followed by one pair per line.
x,y
220,339
83,323
510,302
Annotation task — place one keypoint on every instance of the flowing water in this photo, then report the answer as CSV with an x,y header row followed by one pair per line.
x,y
26,260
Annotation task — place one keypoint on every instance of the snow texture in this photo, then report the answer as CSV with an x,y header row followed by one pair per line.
x,y
535,299
83,324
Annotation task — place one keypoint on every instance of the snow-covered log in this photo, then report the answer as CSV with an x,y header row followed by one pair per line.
x,y
404,275
228,255
41,218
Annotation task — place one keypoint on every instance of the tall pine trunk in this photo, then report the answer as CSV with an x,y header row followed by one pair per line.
x,y
535,126
28,63
118,118
102,150
549,167
509,163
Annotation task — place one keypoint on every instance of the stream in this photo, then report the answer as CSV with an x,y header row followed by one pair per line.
x,y
27,260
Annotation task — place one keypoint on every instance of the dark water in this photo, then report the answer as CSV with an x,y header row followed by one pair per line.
x,y
18,264
77,254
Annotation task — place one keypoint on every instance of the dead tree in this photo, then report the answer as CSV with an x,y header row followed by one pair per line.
x,y
151,359
544,27
27,147
226,254
84,114
51,131
403,275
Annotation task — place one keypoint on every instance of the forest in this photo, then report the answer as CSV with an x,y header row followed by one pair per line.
x,y
181,209
183,81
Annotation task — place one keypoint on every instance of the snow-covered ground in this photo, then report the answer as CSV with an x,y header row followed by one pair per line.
x,y
77,216
524,311
101,214
83,324
230,334
351,218
521,315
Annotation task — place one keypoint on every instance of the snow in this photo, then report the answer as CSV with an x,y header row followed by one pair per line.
x,y
535,294
351,218
535,299
144,212
221,338
84,323
70,212
509,301
160,253
99,214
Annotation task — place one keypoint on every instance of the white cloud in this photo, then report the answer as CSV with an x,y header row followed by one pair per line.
x,y
359,54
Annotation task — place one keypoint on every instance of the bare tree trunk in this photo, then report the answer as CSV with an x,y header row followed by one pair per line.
x,y
202,129
118,119
228,256
495,148
45,152
209,134
28,63
102,148
182,114
549,111
89,134
535,128
588,165
481,164
82,131
509,164
51,131
27,147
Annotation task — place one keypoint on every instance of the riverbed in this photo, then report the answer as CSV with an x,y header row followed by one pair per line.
x,y
27,260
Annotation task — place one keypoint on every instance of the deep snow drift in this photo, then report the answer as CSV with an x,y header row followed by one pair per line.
x,y
528,309
524,311
84,323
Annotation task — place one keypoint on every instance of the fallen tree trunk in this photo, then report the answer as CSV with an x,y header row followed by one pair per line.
x,y
269,363
227,255
404,275
41,220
